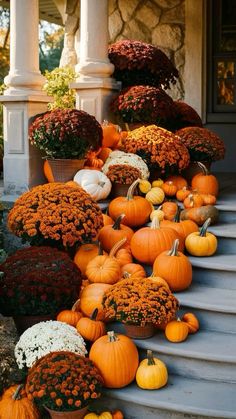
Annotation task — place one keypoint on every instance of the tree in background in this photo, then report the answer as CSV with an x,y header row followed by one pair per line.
x,y
51,38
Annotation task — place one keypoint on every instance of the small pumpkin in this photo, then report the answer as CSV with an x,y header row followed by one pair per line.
x,y
103,415
178,181
91,297
70,316
109,235
201,243
157,213
181,194
169,208
159,280
117,414
176,331
133,270
157,183
48,171
148,242
93,161
192,322
155,195
174,267
144,186
136,208
111,134
209,199
90,328
85,253
104,153
103,269
205,182
183,228
151,373
193,201
107,220
169,188
95,182
201,214
122,253
16,405
116,356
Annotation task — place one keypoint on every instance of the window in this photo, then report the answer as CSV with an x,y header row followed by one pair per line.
x,y
222,61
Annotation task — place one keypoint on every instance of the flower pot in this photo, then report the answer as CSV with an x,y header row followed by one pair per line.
x,y
62,170
193,169
139,332
120,189
24,322
73,414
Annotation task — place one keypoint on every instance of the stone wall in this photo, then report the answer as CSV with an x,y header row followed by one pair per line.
x,y
158,22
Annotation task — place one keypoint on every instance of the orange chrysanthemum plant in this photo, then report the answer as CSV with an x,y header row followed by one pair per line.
x,y
160,149
140,302
64,381
57,215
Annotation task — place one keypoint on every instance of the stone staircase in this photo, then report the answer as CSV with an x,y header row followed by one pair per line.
x,y
202,370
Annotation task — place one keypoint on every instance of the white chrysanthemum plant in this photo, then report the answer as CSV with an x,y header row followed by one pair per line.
x,y
46,337
120,157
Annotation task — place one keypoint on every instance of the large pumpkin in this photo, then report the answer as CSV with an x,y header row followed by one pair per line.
x,y
116,356
205,182
148,242
16,405
136,208
111,234
174,267
91,297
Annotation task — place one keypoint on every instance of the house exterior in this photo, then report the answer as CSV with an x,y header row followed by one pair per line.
x,y
199,36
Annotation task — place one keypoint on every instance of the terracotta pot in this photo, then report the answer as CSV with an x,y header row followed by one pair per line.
x,y
62,170
24,322
193,169
139,332
74,414
120,189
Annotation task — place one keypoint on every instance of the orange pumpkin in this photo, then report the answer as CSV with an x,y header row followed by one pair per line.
x,y
169,188
183,228
70,316
85,253
169,208
123,255
133,270
117,414
48,172
16,405
181,194
193,201
90,328
148,242
192,322
107,220
205,182
178,181
136,208
111,234
91,297
103,269
93,161
174,267
208,199
159,280
176,331
111,134
104,153
116,356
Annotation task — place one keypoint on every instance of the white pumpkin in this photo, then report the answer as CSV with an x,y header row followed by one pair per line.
x,y
96,183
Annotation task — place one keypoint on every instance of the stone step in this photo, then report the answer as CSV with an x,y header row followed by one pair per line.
x,y
227,212
204,355
181,398
211,352
218,271
214,307
226,237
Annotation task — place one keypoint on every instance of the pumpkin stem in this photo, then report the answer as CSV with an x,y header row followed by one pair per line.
x,y
130,193
174,250
101,184
94,314
112,336
177,214
204,227
117,246
155,224
150,357
203,168
126,275
116,225
16,395
191,199
100,249
75,305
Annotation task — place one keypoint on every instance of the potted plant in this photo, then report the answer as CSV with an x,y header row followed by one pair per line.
x,y
65,136
163,151
144,105
121,177
64,382
57,215
137,63
139,304
185,116
44,338
37,283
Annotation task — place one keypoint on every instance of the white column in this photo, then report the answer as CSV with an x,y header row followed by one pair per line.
x,y
95,86
24,76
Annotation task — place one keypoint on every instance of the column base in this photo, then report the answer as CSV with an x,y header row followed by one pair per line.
x,y
93,95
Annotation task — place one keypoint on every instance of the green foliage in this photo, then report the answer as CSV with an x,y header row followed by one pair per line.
x,y
50,46
57,86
